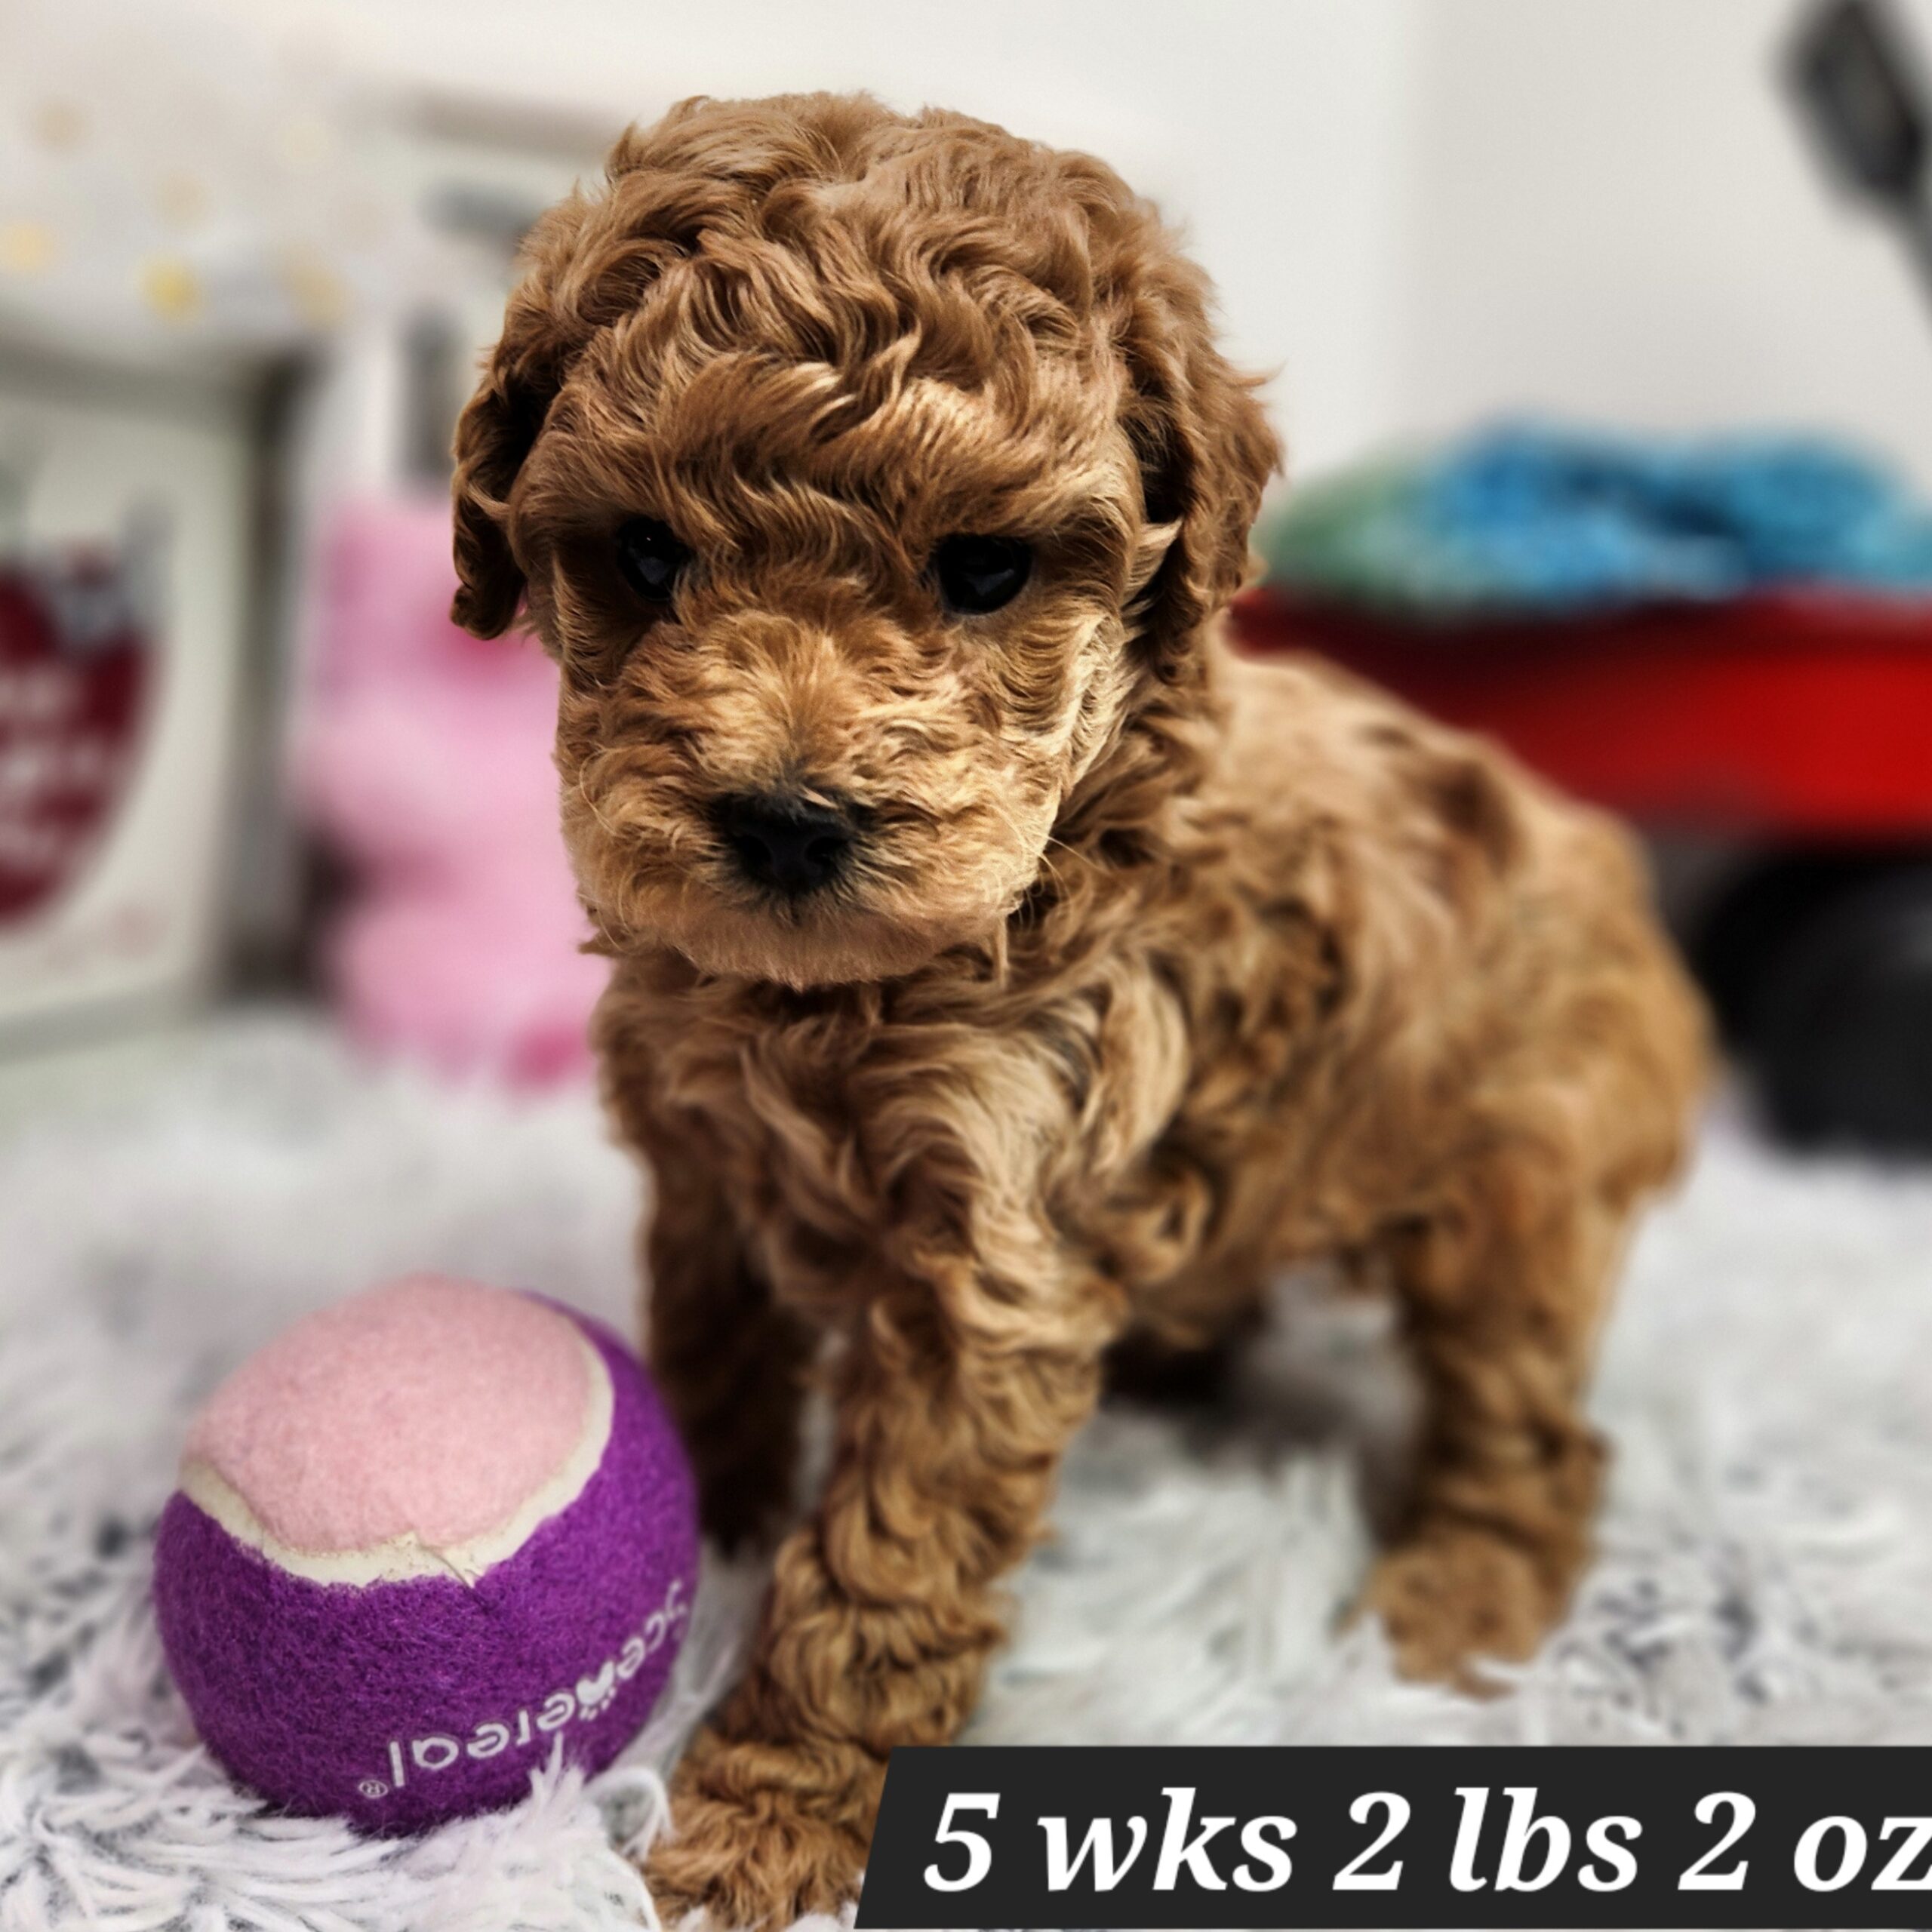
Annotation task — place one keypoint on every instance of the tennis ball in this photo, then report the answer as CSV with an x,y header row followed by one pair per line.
x,y
422,1540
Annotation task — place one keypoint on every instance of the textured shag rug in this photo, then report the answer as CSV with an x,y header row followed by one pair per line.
x,y
1766,1564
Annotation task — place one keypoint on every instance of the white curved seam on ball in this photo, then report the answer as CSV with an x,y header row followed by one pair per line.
x,y
403,1558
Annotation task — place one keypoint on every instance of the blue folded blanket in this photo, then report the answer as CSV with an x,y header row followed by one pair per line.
x,y
1538,519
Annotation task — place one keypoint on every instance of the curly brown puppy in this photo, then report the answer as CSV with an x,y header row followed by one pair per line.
x,y
1002,968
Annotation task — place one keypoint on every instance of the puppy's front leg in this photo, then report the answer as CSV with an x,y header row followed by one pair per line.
x,y
959,1392
732,1364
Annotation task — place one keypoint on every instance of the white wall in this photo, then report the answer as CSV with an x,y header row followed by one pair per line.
x,y
1611,213
1422,212
1273,129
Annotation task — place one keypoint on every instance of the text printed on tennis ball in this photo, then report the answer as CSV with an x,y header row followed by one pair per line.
x,y
583,1701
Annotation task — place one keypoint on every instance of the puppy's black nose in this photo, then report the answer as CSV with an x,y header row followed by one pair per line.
x,y
788,843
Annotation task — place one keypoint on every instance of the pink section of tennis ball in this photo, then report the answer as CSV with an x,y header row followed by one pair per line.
x,y
426,1406
434,1534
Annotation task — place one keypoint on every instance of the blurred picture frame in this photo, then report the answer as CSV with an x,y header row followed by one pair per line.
x,y
138,543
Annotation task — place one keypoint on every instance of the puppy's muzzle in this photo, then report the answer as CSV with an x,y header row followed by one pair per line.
x,y
785,843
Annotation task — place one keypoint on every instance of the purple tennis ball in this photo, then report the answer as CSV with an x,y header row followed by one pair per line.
x,y
422,1540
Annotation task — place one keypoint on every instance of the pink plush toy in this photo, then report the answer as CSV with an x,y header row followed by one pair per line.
x,y
422,1540
423,757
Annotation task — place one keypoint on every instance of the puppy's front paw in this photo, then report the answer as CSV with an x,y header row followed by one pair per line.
x,y
751,1862
1453,1594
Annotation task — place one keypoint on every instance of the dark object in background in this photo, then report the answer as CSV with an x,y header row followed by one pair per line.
x,y
1818,964
1860,87
1858,84
1820,961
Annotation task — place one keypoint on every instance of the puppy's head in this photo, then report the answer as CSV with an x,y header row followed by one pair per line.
x,y
867,476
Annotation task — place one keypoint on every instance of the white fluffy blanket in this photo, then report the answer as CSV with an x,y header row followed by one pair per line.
x,y
1766,1564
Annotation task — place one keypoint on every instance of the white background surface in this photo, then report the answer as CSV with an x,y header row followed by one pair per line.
x,y
1764,1563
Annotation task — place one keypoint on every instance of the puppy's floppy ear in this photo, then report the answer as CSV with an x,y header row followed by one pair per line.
x,y
567,292
1204,446
495,432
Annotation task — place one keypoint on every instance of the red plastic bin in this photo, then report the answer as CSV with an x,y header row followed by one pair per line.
x,y
1791,716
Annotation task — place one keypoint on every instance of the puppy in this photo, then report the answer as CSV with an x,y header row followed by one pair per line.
x,y
1004,970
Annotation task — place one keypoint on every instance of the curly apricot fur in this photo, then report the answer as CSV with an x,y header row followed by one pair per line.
x,y
1157,971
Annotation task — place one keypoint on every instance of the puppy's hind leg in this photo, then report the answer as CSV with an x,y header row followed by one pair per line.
x,y
1502,1290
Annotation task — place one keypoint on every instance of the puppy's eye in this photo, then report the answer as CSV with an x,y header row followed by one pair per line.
x,y
651,558
976,574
